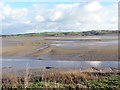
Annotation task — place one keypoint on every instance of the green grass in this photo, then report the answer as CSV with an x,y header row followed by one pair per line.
x,y
108,82
46,85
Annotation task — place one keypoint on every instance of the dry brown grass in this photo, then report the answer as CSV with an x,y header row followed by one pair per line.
x,y
12,80
71,77
27,77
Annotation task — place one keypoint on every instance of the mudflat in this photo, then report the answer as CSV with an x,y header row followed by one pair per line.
x,y
61,48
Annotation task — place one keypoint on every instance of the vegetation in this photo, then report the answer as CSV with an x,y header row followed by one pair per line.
x,y
66,80
93,32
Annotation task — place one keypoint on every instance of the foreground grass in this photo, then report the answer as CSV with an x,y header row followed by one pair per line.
x,y
64,80
107,82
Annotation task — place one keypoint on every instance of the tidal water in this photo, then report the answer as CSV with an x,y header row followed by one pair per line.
x,y
21,63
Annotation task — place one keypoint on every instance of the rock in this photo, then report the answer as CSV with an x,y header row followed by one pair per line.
x,y
49,67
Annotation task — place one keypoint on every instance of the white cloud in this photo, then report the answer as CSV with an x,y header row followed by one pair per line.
x,y
26,22
58,17
114,20
39,18
66,6
6,10
78,23
93,6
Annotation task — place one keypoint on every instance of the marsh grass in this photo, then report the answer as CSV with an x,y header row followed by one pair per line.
x,y
27,77
62,80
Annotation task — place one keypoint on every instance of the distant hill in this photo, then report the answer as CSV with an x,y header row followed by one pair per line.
x,y
84,33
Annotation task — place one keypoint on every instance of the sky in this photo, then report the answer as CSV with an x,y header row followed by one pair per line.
x,y
36,17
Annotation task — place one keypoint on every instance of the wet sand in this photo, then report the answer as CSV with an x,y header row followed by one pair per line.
x,y
45,48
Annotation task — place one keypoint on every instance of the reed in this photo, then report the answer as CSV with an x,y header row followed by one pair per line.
x,y
27,77
61,80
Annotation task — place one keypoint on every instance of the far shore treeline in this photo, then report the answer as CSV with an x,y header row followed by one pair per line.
x,y
84,33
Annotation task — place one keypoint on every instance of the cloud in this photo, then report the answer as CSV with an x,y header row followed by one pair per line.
x,y
39,18
25,22
94,6
58,17
7,11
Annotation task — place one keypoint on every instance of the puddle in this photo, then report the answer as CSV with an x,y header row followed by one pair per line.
x,y
88,37
97,43
23,39
64,41
8,43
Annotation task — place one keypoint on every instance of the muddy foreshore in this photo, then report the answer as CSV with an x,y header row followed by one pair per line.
x,y
53,48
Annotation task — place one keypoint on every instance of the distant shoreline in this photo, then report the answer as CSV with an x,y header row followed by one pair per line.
x,y
83,33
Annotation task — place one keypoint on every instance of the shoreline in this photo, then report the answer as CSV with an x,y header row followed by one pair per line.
x,y
48,70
